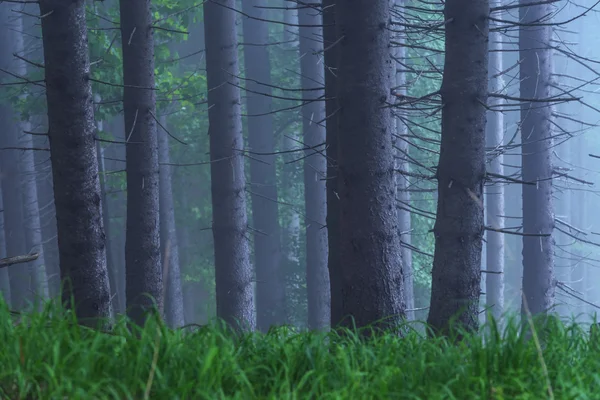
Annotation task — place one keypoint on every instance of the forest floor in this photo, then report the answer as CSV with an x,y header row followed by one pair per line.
x,y
46,357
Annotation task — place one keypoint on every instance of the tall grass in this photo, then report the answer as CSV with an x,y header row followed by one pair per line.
x,y
48,356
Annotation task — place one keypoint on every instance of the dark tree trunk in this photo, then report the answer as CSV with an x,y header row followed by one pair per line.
x,y
494,198
369,237
402,181
270,286
331,124
142,242
168,236
459,225
535,54
4,279
315,168
71,130
233,272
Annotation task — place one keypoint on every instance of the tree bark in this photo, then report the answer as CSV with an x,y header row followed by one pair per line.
x,y
168,235
111,261
315,168
31,213
22,277
535,53
270,285
331,125
459,225
143,280
372,291
233,272
74,163
494,198
4,279
402,180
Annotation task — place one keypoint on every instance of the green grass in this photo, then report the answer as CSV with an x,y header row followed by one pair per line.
x,y
50,357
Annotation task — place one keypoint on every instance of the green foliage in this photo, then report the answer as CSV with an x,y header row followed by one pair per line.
x,y
48,356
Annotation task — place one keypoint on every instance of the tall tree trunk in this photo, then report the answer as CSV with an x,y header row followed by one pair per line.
x,y
47,211
73,154
233,272
31,216
290,27
117,205
494,198
369,236
459,225
315,167
31,213
168,235
535,53
4,279
111,261
578,219
270,285
402,180
333,207
142,243
11,41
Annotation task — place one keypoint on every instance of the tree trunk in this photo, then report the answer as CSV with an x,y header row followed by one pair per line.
x,y
31,213
168,235
402,180
4,279
333,207
111,261
315,168
578,219
290,27
494,198
142,243
233,272
369,236
117,204
535,53
270,285
74,163
459,225
47,211
11,41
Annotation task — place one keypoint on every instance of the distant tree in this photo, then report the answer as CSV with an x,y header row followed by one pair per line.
x,y
233,272
403,166
494,197
111,257
372,283
10,174
315,166
142,244
535,67
459,225
270,285
169,244
71,131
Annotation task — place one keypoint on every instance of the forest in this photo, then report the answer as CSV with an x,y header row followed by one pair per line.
x,y
290,199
